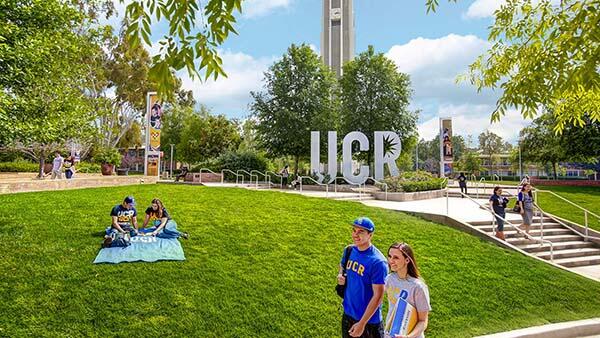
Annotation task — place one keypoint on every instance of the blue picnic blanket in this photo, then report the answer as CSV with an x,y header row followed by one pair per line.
x,y
143,248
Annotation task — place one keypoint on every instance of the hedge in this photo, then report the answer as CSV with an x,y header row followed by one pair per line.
x,y
412,181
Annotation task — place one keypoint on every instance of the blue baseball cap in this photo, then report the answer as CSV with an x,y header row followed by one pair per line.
x,y
365,223
129,200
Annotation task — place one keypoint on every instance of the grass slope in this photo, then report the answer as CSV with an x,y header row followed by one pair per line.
x,y
586,197
259,264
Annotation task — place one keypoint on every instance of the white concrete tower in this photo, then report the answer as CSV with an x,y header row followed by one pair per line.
x,y
337,35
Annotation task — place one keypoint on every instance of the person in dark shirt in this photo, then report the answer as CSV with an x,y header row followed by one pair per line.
x,y
462,183
184,172
161,224
498,204
124,222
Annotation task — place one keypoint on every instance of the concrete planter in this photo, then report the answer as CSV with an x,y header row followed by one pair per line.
x,y
410,196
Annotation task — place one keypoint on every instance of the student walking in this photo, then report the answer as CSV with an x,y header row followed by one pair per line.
x,y
498,204
525,201
285,173
57,165
462,183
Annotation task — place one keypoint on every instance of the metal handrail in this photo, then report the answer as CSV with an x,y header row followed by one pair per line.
x,y
382,183
205,169
264,174
230,171
528,236
473,179
482,183
312,179
271,172
495,176
343,178
244,171
585,211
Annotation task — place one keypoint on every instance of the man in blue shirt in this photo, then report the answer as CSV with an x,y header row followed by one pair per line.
x,y
365,272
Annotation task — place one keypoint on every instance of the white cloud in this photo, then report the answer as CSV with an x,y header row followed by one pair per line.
x,y
433,65
230,95
256,8
483,8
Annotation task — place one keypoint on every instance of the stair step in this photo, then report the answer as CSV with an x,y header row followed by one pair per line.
x,y
554,239
488,227
569,253
533,247
536,221
578,261
537,233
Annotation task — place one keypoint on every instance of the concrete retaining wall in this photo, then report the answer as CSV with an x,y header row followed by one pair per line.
x,y
29,185
410,196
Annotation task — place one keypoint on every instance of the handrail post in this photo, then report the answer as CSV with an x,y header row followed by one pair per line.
x,y
447,202
586,225
300,184
541,225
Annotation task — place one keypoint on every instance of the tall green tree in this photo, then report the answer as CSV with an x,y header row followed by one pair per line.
x,y
299,97
375,97
544,55
491,145
539,143
43,104
206,136
469,162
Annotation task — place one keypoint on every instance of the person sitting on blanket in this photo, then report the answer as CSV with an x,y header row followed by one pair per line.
x,y
161,224
123,216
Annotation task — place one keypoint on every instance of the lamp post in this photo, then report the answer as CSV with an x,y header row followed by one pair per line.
x,y
417,155
171,166
520,163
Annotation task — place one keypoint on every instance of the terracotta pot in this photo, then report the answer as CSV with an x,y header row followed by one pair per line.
x,y
107,169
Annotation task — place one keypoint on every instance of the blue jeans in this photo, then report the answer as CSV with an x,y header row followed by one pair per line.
x,y
499,220
169,231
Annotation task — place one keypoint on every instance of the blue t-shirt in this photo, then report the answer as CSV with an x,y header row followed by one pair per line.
x,y
499,204
364,268
123,214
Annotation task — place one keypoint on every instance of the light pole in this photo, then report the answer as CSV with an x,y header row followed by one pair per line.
x,y
520,163
171,166
417,155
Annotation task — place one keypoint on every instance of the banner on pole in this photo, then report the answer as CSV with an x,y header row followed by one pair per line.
x,y
446,152
153,126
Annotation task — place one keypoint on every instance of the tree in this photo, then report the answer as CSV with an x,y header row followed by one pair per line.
x,y
119,82
375,97
491,145
43,50
173,123
206,136
469,162
186,42
300,97
540,144
544,56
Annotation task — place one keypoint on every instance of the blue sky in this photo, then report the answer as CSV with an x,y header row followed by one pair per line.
x,y
432,48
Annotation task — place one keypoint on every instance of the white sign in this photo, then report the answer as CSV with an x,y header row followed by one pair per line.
x,y
364,172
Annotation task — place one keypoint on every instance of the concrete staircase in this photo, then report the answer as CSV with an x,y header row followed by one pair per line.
x,y
570,249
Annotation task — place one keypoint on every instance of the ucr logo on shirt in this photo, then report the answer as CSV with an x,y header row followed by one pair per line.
x,y
144,239
356,267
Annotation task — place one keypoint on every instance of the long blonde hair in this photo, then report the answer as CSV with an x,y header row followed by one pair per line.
x,y
160,207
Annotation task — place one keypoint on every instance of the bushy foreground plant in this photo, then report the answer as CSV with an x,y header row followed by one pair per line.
x,y
412,181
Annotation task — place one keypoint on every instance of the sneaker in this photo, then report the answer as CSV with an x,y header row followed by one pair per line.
x,y
185,235
107,242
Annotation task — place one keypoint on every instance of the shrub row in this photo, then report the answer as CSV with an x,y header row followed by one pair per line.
x,y
19,166
414,181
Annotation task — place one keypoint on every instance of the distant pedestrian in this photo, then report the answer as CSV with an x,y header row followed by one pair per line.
x,y
462,183
285,173
498,204
525,180
57,165
525,201
69,165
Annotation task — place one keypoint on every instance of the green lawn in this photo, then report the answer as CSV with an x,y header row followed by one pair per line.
x,y
259,264
586,197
